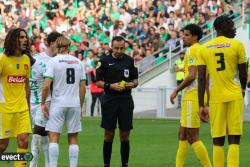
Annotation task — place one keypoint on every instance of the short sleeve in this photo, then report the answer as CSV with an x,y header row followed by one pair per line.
x,y
26,60
43,66
134,71
28,72
192,58
100,69
242,54
49,72
201,56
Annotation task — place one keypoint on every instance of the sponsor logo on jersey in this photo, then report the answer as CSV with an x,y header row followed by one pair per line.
x,y
16,79
224,45
69,61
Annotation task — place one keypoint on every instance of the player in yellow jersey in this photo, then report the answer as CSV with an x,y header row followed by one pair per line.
x,y
15,91
224,59
190,120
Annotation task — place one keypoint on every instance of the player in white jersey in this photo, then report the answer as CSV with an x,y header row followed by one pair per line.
x,y
68,76
40,138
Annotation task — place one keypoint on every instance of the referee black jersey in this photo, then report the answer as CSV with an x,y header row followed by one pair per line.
x,y
113,70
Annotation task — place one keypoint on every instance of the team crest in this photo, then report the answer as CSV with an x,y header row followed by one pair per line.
x,y
191,60
126,73
98,65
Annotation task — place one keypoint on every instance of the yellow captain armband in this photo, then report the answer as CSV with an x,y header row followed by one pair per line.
x,y
122,83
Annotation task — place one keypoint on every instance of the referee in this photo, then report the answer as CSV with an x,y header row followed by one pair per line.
x,y
117,74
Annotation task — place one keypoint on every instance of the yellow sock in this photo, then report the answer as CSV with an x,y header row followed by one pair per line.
x,y
21,163
201,153
233,155
182,153
218,156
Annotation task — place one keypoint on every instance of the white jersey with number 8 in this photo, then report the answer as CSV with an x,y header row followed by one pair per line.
x,y
67,72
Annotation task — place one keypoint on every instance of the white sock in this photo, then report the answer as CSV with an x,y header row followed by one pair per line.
x,y
73,155
53,154
35,149
45,146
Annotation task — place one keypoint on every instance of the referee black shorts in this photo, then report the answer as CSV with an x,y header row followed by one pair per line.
x,y
117,109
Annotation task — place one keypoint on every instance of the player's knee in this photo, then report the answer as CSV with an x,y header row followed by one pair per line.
x,y
72,138
124,136
109,135
219,141
182,135
23,140
192,139
3,147
192,136
234,139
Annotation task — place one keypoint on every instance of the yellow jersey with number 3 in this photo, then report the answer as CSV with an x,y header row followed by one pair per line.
x,y
14,72
190,59
221,57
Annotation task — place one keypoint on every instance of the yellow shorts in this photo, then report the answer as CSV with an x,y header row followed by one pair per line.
x,y
190,114
226,118
13,124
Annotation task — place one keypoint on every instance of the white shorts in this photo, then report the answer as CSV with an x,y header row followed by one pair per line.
x,y
58,115
37,115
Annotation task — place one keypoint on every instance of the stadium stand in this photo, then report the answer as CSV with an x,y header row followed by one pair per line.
x,y
148,25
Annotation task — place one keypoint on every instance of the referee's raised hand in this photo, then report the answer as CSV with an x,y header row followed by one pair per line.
x,y
117,87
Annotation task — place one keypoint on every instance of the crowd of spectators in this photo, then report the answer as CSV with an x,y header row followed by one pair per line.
x,y
148,25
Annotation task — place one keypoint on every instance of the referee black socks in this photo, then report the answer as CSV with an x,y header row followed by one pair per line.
x,y
107,151
125,153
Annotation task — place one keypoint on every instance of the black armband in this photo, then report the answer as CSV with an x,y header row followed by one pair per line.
x,y
106,85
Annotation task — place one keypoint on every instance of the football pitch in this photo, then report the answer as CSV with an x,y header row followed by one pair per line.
x,y
153,144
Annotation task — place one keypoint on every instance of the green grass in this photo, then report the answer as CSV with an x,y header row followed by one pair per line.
x,y
153,144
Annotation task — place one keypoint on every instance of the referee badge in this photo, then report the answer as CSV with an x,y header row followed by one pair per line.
x,y
126,73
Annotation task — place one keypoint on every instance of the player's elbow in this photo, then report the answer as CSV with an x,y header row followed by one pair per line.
x,y
192,77
99,84
46,88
